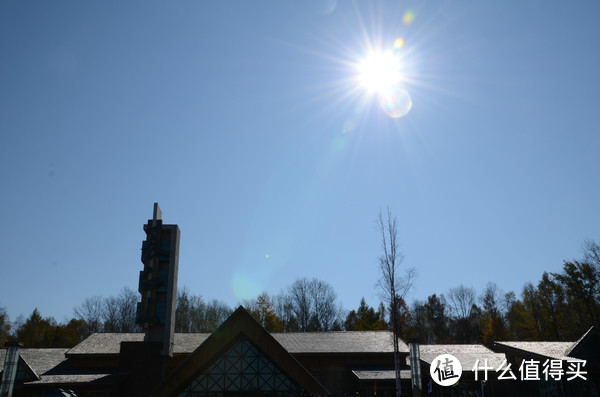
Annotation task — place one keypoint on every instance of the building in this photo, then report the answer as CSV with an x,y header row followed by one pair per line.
x,y
241,358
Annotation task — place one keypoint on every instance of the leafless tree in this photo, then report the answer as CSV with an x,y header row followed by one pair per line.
x,y
392,283
91,312
461,300
127,307
112,314
301,304
325,310
193,314
591,253
284,310
4,326
313,303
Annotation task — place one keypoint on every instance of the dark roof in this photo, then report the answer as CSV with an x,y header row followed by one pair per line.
x,y
552,350
293,342
53,367
338,342
386,374
103,343
466,354
40,360
110,343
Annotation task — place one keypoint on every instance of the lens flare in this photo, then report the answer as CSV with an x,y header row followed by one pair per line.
x,y
399,43
245,287
322,7
408,18
396,102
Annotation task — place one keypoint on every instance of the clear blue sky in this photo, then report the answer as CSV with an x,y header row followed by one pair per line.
x,y
244,120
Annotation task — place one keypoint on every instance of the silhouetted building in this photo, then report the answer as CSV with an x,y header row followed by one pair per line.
x,y
242,359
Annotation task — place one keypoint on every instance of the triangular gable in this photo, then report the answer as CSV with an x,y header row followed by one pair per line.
x,y
587,347
24,372
240,341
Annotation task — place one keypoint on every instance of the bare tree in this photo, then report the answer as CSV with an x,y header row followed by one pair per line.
x,y
194,314
392,283
4,326
284,310
127,307
324,301
301,304
112,314
461,300
313,304
591,253
91,312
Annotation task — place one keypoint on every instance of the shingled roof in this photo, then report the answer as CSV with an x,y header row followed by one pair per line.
x,y
373,375
342,342
466,354
346,342
52,367
110,343
552,350
40,360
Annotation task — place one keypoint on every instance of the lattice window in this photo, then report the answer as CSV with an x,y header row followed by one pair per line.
x,y
242,370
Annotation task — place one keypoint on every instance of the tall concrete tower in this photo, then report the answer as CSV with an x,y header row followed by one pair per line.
x,y
158,282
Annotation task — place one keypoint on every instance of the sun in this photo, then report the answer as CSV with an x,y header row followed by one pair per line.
x,y
379,72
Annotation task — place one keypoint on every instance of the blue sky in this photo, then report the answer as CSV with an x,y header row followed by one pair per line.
x,y
245,121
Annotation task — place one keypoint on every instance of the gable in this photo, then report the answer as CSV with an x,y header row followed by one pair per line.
x,y
243,356
587,347
24,372
242,368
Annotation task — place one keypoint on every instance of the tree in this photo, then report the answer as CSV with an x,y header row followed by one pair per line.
x,y
313,304
581,283
183,312
461,300
91,312
4,327
391,282
263,310
193,314
284,310
437,321
417,329
112,314
365,318
551,299
519,324
126,310
463,327
591,253
37,331
493,327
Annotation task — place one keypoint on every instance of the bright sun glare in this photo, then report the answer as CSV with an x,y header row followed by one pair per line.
x,y
379,72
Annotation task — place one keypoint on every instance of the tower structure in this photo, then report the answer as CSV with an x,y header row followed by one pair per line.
x,y
158,282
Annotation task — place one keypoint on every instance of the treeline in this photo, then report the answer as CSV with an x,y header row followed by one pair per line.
x,y
95,314
560,307
306,305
